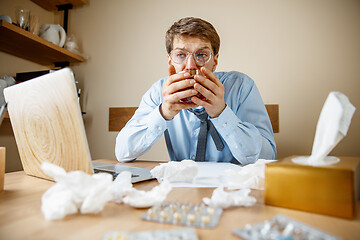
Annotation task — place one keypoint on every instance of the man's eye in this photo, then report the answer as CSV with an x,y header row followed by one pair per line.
x,y
180,55
201,55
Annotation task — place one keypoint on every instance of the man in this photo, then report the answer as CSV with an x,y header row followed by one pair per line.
x,y
226,106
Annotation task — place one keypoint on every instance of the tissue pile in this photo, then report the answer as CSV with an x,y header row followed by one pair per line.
x,y
77,190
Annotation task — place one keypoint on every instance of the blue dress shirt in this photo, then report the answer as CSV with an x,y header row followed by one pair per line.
x,y
244,126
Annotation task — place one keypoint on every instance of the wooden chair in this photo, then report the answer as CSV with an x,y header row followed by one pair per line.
x,y
273,111
119,116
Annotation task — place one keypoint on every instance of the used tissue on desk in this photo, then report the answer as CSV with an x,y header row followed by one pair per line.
x,y
223,199
77,190
144,199
121,186
250,176
74,191
184,171
332,126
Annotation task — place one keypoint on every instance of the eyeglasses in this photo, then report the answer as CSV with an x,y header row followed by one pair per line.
x,y
201,56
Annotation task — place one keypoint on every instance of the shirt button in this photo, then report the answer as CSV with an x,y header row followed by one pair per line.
x,y
193,157
194,133
225,124
159,128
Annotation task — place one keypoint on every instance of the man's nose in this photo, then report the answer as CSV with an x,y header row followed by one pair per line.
x,y
190,62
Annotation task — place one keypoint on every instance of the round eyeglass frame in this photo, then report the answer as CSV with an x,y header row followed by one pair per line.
x,y
187,56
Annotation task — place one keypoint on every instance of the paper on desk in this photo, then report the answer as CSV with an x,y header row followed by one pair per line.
x,y
216,174
208,175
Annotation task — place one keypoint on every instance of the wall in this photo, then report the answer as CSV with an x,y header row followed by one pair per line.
x,y
296,51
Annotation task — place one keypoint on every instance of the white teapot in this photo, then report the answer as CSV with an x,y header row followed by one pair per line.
x,y
53,33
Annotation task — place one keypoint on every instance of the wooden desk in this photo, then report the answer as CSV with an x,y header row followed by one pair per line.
x,y
21,217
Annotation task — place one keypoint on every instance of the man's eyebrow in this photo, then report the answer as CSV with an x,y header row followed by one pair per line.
x,y
202,48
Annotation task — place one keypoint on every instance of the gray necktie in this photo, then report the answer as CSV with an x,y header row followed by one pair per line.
x,y
205,126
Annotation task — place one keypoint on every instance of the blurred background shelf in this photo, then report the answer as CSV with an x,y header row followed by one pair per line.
x,y
23,44
51,5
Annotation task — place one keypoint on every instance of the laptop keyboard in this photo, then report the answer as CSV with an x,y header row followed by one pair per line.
x,y
114,174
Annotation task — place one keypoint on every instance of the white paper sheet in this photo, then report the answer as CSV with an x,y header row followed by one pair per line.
x,y
210,174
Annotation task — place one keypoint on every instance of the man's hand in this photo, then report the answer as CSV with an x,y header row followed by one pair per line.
x,y
213,90
174,89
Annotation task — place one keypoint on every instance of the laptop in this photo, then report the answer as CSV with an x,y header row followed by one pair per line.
x,y
48,126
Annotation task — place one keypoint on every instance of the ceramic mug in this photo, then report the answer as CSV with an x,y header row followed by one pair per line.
x,y
6,18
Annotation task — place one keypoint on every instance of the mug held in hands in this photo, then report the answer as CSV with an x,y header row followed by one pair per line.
x,y
199,95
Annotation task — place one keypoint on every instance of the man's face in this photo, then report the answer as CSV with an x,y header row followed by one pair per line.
x,y
193,44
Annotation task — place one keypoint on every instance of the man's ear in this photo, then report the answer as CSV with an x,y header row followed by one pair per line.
x,y
169,60
215,62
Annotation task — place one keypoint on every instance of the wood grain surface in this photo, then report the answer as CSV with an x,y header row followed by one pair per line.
x,y
23,44
47,123
21,216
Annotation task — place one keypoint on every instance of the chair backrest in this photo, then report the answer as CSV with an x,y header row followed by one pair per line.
x,y
273,111
119,116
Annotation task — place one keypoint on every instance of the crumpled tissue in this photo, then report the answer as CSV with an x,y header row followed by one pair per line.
x,y
332,127
74,190
121,186
223,199
183,171
77,190
144,199
250,176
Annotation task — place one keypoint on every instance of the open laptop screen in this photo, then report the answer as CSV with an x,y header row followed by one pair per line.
x,y
47,123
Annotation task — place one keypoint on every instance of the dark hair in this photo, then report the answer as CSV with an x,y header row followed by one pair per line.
x,y
191,26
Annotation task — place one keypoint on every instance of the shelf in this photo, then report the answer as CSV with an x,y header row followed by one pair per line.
x,y
23,44
51,5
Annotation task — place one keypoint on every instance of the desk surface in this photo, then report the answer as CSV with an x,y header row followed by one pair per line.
x,y
21,217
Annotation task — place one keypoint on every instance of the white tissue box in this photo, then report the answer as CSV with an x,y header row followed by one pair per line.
x,y
330,190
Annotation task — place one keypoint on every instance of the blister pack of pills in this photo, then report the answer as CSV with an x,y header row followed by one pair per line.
x,y
187,214
173,234
282,228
